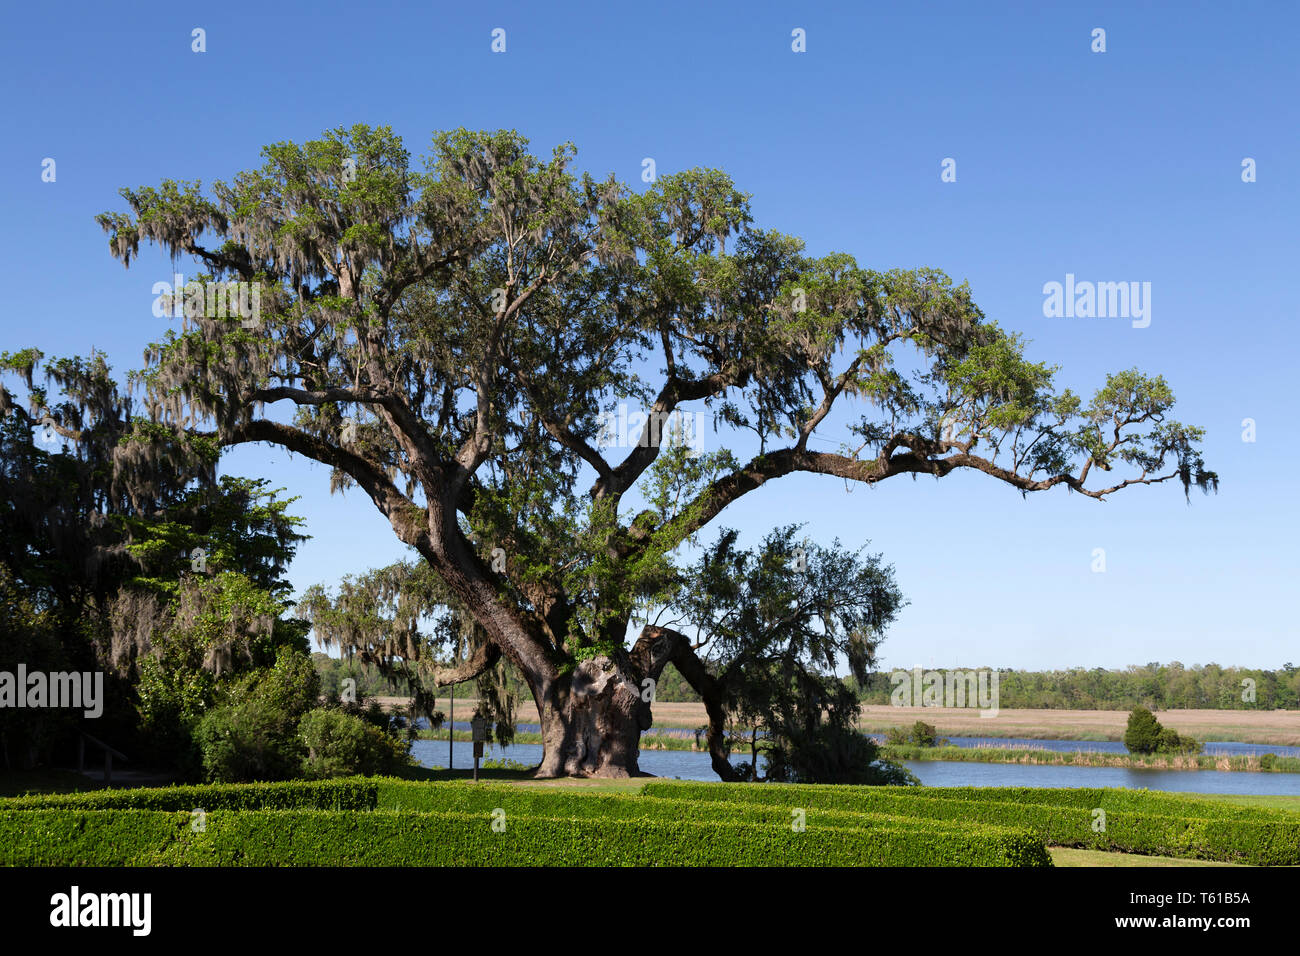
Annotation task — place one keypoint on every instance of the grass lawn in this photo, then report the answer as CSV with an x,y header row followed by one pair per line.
x,y
1068,856
1276,801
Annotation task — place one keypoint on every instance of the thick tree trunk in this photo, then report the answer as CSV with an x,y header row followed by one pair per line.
x,y
659,645
592,721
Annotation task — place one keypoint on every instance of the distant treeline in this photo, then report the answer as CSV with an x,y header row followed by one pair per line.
x,y
1157,686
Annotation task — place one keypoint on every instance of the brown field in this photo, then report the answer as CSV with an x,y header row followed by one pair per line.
x,y
1280,727
1248,726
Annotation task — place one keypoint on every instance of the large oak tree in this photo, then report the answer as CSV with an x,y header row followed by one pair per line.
x,y
448,338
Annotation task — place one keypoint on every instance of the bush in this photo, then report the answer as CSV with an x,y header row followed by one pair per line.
x,y
1145,735
249,740
253,734
920,735
1172,742
340,744
1142,736
832,754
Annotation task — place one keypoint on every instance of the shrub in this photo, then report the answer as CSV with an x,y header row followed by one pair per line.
x,y
1172,742
921,734
1145,735
1142,736
833,754
897,736
248,740
253,734
340,744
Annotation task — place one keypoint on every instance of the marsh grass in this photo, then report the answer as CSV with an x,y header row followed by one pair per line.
x,y
1000,753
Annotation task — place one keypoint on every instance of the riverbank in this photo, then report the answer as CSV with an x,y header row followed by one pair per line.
x,y
1246,763
1017,755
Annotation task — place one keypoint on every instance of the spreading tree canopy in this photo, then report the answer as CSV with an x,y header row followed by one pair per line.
x,y
449,338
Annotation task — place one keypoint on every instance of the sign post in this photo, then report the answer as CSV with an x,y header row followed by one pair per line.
x,y
479,727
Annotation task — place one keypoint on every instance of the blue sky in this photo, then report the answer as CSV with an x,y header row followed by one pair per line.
x,y
1115,166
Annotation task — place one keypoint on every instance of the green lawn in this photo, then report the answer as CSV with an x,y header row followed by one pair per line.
x,y
1069,856
1276,801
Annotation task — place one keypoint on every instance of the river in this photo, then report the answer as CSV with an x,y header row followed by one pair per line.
x,y
1213,748
694,765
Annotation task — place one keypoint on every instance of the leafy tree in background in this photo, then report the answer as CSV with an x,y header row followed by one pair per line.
x,y
102,515
771,626
450,339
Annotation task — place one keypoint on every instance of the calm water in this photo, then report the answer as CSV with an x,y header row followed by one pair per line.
x,y
1218,748
694,765
686,764
951,773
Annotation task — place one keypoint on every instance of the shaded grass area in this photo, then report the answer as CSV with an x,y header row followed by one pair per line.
x,y
18,782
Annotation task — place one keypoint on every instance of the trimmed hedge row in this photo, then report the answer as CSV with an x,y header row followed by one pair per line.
x,y
1261,842
1141,801
342,794
528,801
387,838
89,837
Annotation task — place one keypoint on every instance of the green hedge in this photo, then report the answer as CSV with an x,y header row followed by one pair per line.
x,y
532,801
89,837
387,838
1142,801
1131,825
341,794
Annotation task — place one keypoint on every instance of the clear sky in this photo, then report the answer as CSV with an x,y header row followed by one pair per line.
x,y
1117,166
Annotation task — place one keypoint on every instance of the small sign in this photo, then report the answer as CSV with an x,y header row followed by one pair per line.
x,y
478,749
